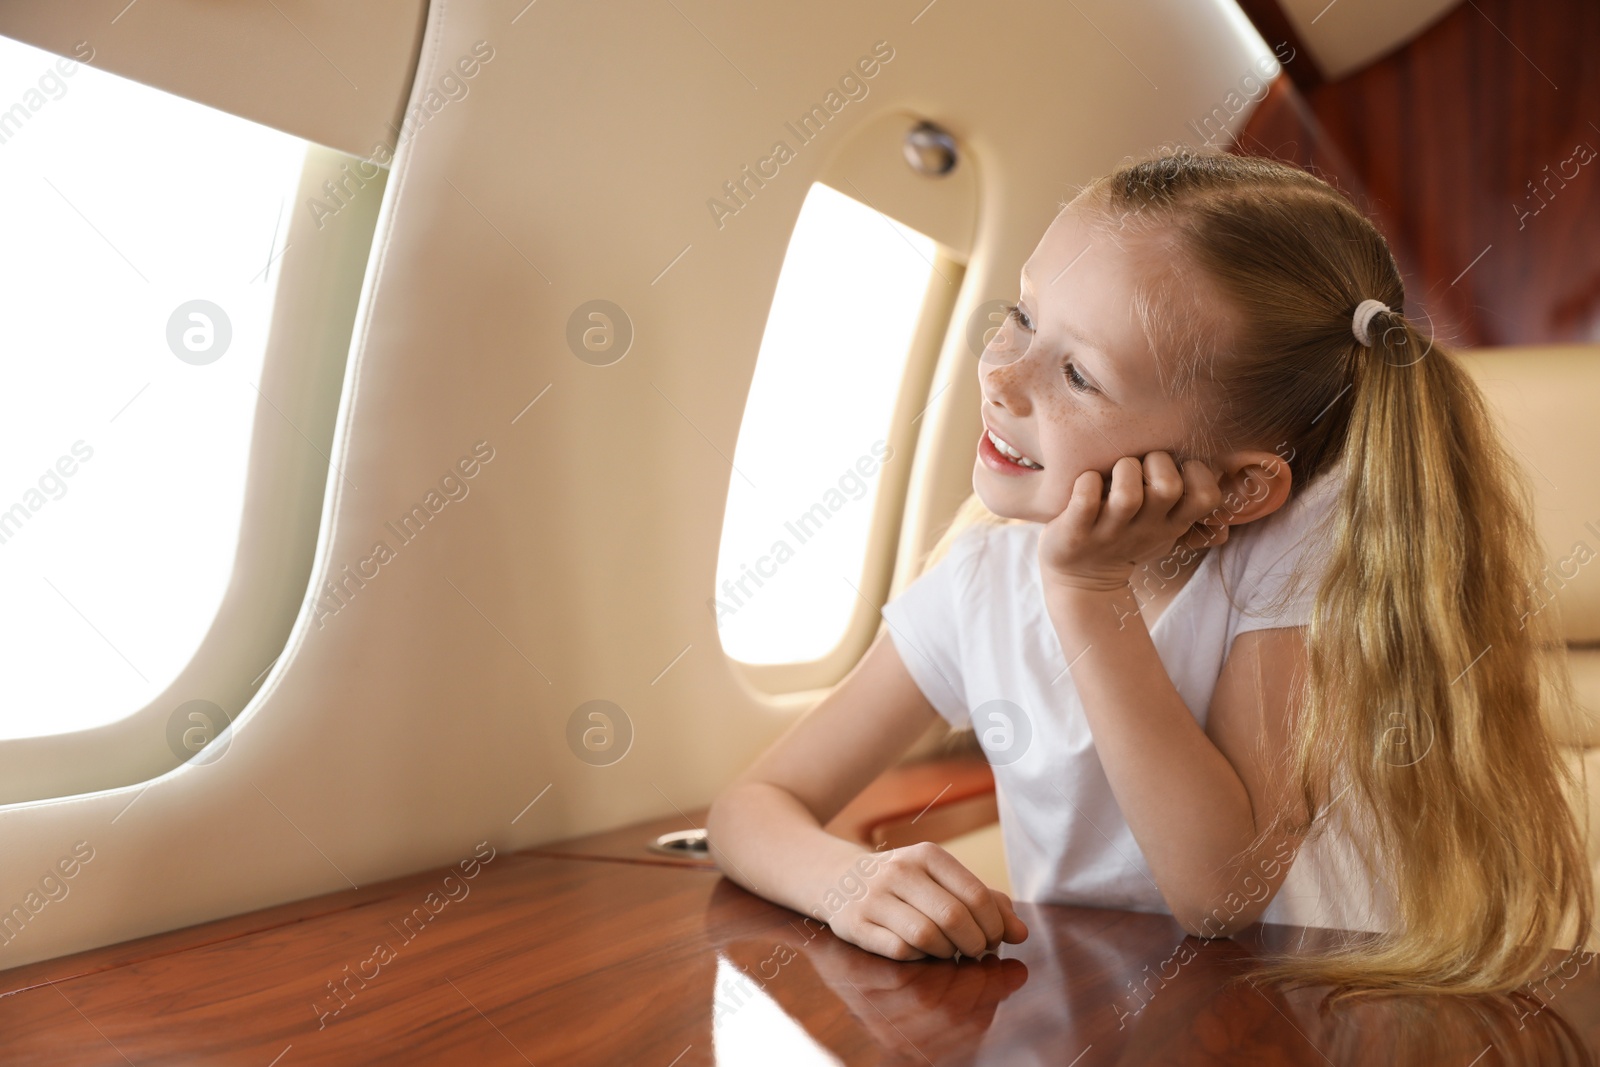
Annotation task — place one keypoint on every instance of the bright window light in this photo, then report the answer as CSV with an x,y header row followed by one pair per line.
x,y
139,265
814,439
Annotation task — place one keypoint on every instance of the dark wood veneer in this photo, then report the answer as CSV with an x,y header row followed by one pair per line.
x,y
554,960
1474,147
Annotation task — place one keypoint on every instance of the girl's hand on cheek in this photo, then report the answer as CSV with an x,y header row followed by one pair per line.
x,y
1097,544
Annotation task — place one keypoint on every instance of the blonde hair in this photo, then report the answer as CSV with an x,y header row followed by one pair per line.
x,y
1434,678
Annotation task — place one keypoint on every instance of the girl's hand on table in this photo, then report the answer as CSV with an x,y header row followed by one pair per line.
x,y
920,901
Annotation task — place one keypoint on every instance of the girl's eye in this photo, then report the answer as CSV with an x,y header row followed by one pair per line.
x,y
1020,317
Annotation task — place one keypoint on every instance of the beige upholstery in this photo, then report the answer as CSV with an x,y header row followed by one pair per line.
x,y
1585,765
1544,398
1584,664
1581,728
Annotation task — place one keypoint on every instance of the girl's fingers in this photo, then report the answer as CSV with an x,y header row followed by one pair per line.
x,y
1016,931
1083,505
912,927
885,942
1165,486
1127,493
1202,496
952,915
968,890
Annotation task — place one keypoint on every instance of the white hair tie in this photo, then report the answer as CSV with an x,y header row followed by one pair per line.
x,y
1363,317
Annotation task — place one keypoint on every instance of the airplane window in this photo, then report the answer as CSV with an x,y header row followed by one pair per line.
x,y
814,438
143,237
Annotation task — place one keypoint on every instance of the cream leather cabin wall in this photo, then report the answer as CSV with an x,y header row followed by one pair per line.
x,y
431,710
1345,36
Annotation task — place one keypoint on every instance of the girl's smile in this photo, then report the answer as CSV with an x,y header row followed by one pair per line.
x,y
1003,456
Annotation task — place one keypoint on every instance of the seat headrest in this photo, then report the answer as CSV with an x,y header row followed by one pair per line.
x,y
1544,399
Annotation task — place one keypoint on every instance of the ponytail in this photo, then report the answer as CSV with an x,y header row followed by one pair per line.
x,y
1434,682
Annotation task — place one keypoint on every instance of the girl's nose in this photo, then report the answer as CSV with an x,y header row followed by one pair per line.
x,y
1006,386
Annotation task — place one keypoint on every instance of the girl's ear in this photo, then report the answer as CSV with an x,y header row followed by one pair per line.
x,y
1254,484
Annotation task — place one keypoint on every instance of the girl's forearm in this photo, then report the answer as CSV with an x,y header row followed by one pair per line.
x,y
1187,807
763,838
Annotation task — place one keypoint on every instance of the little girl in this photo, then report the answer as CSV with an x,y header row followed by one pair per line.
x,y
1239,610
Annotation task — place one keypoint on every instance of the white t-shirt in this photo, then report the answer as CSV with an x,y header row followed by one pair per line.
x,y
974,634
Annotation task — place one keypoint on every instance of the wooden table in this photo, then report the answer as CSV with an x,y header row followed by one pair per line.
x,y
598,952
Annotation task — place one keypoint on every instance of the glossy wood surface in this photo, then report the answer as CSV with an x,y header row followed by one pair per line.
x,y
550,961
1475,147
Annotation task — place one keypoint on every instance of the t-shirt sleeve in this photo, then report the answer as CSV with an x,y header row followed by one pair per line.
x,y
1283,563
925,625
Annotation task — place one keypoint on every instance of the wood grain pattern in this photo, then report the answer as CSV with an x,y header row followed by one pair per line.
x,y
556,961
1474,147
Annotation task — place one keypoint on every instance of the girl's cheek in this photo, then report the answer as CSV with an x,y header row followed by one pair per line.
x,y
1059,405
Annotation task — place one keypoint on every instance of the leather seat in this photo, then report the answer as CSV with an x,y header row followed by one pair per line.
x,y
1544,399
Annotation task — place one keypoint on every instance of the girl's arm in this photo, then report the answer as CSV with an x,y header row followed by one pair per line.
x,y
765,829
1195,799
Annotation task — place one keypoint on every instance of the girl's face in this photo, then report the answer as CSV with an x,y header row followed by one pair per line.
x,y
1069,380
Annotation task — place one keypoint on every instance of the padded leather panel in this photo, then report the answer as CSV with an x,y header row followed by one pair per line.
x,y
1545,398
